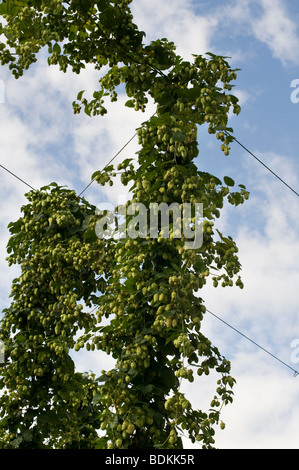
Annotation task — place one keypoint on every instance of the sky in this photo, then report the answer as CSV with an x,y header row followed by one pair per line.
x,y
41,141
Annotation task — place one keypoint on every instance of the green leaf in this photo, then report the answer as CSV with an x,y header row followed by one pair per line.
x,y
130,104
27,435
20,338
96,398
223,128
46,417
193,93
10,7
87,110
226,240
211,54
179,137
80,94
228,181
97,95
108,17
238,199
95,174
126,162
145,389
16,442
234,99
57,48
109,168
101,443
46,188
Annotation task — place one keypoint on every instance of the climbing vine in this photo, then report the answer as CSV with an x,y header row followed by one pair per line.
x,y
135,296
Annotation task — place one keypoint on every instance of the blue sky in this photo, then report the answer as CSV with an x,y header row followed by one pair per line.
x,y
42,141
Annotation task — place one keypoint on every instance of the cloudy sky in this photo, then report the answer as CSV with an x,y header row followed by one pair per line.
x,y
42,141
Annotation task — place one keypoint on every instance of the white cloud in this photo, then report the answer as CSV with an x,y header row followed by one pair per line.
x,y
177,21
277,30
269,21
260,417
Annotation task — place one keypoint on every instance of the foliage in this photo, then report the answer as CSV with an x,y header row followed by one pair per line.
x,y
145,288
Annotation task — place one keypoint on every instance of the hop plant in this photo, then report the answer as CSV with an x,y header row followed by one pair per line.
x,y
144,290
